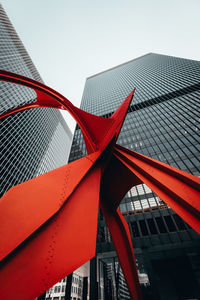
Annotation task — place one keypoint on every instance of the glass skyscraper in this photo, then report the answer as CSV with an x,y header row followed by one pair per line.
x,y
34,141
163,123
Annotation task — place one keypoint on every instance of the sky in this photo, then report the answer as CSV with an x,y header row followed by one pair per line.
x,y
70,40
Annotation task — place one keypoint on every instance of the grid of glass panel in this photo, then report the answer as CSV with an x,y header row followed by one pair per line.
x,y
152,75
162,123
34,141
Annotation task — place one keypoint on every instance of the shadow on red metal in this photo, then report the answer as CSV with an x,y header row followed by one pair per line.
x,y
49,223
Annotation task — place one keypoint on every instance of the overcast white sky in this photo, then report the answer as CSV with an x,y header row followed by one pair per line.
x,y
69,40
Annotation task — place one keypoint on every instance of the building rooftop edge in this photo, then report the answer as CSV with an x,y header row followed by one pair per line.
x,y
112,68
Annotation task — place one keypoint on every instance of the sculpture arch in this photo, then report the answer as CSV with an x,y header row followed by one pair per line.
x,y
40,251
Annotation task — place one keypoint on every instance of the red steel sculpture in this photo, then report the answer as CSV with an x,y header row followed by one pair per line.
x,y
48,224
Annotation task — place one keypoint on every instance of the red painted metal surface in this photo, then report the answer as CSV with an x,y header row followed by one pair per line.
x,y
40,197
48,224
96,130
121,238
65,242
178,189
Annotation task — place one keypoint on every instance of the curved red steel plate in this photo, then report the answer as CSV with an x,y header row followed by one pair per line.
x,y
57,248
27,206
40,255
178,189
121,238
97,131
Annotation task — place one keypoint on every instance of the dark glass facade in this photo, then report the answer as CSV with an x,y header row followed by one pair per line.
x,y
163,123
34,141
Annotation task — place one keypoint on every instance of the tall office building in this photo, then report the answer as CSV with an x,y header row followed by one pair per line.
x,y
162,123
34,141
